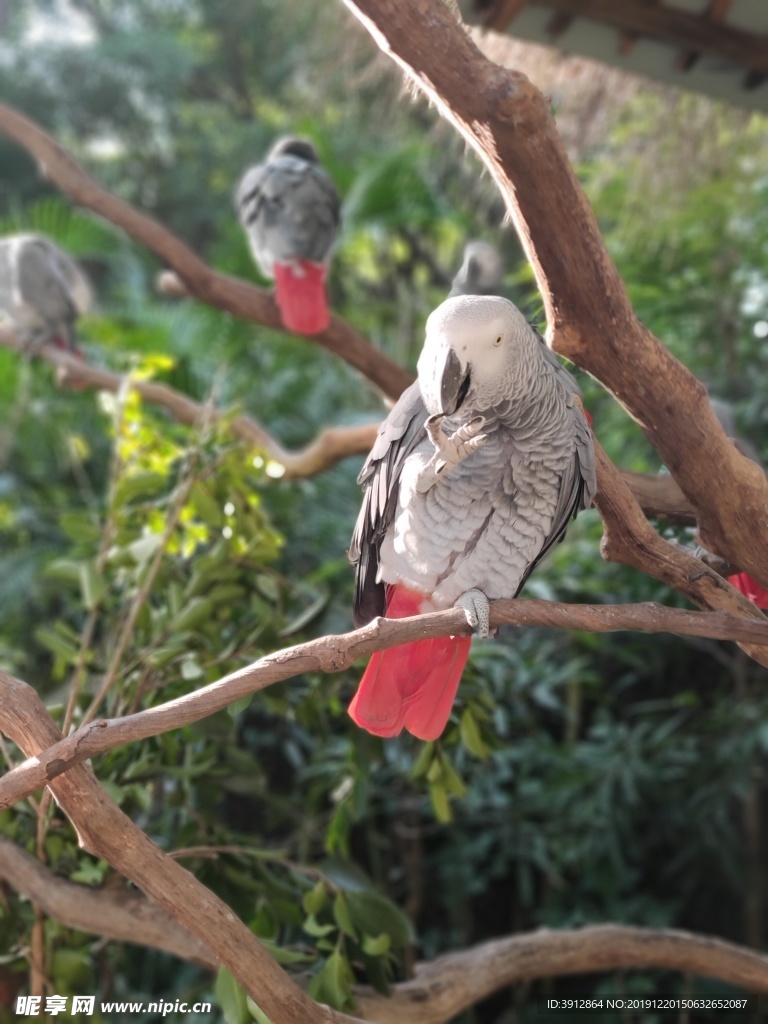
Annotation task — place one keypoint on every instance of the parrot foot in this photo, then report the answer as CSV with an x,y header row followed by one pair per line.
x,y
450,450
475,606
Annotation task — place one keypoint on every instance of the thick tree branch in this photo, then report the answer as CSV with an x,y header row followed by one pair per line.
x,y
120,914
334,653
630,539
508,123
228,293
329,447
106,832
443,987
451,983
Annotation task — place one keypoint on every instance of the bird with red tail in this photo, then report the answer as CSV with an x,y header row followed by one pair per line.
x,y
471,481
290,210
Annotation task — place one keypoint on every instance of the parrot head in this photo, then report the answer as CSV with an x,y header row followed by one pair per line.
x,y
292,145
474,348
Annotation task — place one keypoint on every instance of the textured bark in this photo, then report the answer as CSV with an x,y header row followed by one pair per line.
x,y
106,832
455,981
123,915
441,988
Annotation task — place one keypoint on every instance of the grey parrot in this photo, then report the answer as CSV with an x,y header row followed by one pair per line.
x,y
42,291
290,210
481,271
472,479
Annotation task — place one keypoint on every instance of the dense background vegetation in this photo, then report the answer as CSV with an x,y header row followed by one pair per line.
x,y
582,779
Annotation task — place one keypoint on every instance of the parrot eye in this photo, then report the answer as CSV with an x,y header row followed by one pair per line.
x,y
497,342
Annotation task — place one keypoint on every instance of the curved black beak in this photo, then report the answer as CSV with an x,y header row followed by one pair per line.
x,y
454,384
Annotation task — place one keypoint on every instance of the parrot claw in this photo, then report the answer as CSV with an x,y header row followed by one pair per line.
x,y
475,606
450,450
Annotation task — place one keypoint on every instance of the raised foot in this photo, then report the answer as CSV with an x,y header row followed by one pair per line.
x,y
475,606
450,449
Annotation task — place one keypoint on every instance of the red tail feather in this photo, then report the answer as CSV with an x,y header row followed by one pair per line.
x,y
301,297
750,588
412,686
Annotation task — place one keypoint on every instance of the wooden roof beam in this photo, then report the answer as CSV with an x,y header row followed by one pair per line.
x,y
501,13
717,11
665,24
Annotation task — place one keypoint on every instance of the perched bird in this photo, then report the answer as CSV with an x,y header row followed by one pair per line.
x,y
290,210
472,479
42,291
481,271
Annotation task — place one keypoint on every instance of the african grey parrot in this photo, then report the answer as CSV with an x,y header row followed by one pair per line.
x,y
42,291
481,271
473,477
290,210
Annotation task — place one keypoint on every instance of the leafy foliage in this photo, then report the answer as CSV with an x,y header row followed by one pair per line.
x,y
581,778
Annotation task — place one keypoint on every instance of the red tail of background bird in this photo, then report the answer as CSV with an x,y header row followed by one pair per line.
x,y
411,686
301,297
750,588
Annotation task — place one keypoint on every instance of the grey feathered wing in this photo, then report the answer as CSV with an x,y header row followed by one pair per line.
x,y
399,435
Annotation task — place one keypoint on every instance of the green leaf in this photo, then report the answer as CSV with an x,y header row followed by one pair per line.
x,y
313,927
256,1012
206,506
440,805
452,780
146,483
55,642
371,913
376,945
470,735
92,583
80,528
232,998
314,900
424,760
342,917
333,983
197,611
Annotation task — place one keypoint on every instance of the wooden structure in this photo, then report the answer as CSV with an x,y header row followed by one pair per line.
x,y
719,47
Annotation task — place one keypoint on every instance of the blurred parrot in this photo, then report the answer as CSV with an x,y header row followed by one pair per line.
x,y
290,210
472,479
42,291
481,271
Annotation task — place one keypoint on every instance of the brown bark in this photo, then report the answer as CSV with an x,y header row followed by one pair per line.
x,y
106,832
451,983
441,988
119,914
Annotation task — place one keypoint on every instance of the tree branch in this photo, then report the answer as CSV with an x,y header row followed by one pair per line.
x,y
452,982
630,539
227,293
442,988
334,653
106,832
119,914
508,123
329,447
